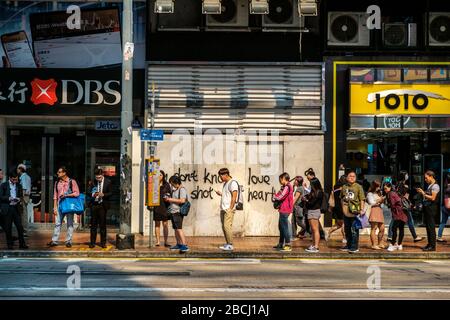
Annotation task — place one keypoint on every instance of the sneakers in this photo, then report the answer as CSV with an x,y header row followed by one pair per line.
x,y
353,250
68,245
418,239
312,249
345,249
400,247
227,247
278,246
344,241
392,247
286,249
52,244
184,248
439,240
175,247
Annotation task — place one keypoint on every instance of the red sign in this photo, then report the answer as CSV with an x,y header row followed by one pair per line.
x,y
43,91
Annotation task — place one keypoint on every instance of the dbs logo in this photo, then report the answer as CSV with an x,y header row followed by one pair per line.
x,y
43,91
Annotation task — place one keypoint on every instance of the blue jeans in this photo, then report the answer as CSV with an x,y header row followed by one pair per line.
x,y
351,233
445,216
411,227
59,221
285,229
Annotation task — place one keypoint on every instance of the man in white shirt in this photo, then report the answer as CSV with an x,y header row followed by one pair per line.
x,y
228,202
27,206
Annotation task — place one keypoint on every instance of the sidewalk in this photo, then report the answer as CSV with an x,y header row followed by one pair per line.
x,y
207,247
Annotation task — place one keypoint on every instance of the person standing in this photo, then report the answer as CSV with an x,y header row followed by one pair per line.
x,y
27,205
375,199
313,203
176,200
160,212
286,198
11,194
445,209
430,208
399,217
336,209
101,193
64,188
311,174
404,192
298,217
228,200
353,198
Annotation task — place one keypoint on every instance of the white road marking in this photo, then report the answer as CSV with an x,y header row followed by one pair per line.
x,y
228,290
348,262
219,261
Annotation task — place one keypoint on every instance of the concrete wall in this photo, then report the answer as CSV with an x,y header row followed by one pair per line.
x,y
198,160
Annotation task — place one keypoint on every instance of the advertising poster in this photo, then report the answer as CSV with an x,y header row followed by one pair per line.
x,y
152,166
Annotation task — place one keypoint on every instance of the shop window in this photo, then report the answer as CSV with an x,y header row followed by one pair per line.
x,y
362,122
362,75
389,75
439,74
415,75
415,122
440,122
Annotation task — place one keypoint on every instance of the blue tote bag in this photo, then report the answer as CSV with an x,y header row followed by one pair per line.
x,y
72,205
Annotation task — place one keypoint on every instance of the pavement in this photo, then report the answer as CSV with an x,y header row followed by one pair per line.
x,y
211,279
207,247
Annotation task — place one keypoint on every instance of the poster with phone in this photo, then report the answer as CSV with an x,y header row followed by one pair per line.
x,y
96,43
18,50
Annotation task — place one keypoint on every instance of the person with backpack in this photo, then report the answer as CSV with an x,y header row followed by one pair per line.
x,y
65,187
176,200
403,191
336,209
228,204
284,202
313,202
398,215
353,203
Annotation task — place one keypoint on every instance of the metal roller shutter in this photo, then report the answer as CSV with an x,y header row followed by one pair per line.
x,y
288,97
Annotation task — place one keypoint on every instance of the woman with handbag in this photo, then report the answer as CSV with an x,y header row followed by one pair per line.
x,y
160,212
375,199
64,188
445,209
313,202
284,201
398,215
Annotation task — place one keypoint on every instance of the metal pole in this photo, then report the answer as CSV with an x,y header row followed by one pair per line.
x,y
152,152
124,239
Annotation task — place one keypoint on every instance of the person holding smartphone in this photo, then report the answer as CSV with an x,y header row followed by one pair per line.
x,y
430,208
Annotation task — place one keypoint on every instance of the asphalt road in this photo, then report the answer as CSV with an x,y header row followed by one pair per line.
x,y
223,279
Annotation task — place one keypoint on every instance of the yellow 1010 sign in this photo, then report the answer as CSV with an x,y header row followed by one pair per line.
x,y
421,99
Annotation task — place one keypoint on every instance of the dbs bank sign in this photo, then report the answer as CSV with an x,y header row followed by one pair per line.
x,y
60,92
73,92
409,99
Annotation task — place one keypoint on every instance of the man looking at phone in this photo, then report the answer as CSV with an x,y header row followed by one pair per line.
x,y
10,197
101,193
430,208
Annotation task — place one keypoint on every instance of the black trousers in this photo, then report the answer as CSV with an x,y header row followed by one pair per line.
x,y
400,226
429,212
7,220
98,219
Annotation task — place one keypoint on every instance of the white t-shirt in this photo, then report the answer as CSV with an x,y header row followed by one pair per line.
x,y
227,190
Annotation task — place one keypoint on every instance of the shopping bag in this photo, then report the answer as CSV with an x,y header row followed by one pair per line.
x,y
72,205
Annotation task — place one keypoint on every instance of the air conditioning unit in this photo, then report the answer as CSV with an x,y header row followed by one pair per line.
x,y
399,34
234,14
348,29
439,29
282,14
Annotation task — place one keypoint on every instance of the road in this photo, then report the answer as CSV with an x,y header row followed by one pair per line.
x,y
223,279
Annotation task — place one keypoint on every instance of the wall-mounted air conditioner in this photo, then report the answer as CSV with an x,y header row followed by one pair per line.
x,y
399,34
283,14
348,29
439,29
234,14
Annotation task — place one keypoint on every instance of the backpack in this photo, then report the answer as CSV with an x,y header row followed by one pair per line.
x,y
239,200
185,207
324,205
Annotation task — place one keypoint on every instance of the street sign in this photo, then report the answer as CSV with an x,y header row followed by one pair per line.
x,y
152,135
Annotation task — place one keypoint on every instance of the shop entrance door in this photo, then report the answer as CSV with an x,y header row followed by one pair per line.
x,y
44,151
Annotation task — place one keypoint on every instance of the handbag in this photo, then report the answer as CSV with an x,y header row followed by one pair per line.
x,y
72,204
362,222
277,204
185,207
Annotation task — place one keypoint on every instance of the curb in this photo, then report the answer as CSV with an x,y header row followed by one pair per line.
x,y
221,255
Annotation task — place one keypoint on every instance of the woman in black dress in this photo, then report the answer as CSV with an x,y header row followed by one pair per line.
x,y
160,212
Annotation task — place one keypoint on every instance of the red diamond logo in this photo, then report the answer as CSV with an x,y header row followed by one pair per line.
x,y
44,91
